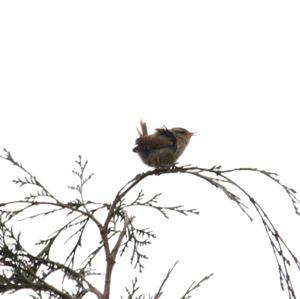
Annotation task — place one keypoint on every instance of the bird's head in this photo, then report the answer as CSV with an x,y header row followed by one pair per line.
x,y
182,134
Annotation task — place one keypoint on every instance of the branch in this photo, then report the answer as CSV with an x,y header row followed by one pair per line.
x,y
153,204
194,286
43,197
132,294
216,177
159,292
117,229
21,270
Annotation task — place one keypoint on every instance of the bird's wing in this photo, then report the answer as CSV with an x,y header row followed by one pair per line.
x,y
167,133
155,142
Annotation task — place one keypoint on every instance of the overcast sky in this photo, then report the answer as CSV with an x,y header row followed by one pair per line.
x,y
76,77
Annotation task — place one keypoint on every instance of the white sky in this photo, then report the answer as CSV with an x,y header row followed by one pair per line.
x,y
76,77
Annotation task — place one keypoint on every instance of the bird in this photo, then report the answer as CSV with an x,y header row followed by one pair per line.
x,y
164,147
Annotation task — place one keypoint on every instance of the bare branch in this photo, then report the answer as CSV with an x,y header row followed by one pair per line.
x,y
159,292
194,286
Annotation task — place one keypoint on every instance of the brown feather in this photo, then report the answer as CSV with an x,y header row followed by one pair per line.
x,y
144,130
153,142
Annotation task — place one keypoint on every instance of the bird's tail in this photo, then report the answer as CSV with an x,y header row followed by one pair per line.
x,y
144,130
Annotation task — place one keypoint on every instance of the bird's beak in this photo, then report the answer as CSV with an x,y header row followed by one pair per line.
x,y
192,134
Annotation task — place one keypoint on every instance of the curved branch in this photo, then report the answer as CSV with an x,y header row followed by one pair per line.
x,y
116,214
216,177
